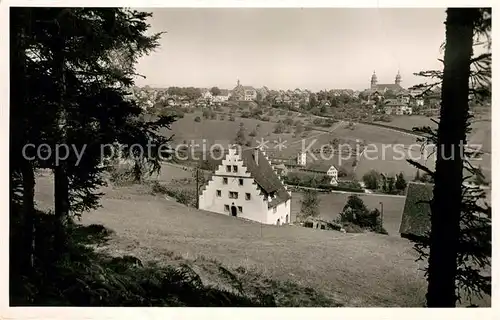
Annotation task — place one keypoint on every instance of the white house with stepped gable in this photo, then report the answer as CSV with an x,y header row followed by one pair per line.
x,y
246,185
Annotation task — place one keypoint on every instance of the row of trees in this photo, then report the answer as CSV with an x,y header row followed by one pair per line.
x,y
191,93
375,180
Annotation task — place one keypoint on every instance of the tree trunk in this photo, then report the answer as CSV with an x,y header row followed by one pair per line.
x,y
20,135
446,204
61,181
28,213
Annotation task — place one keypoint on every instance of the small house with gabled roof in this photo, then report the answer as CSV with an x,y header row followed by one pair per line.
x,y
246,185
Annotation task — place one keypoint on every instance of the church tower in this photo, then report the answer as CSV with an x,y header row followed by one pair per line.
x,y
373,81
398,79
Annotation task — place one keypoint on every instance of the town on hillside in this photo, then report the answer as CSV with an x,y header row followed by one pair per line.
x,y
163,169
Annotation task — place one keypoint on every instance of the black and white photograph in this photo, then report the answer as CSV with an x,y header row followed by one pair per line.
x,y
249,157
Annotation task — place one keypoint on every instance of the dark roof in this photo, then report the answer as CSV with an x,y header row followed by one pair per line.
x,y
318,167
416,219
240,87
389,86
393,102
264,175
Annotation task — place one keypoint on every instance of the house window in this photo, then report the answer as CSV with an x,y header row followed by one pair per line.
x,y
224,180
228,168
247,196
240,209
219,193
226,208
235,168
233,195
241,182
275,209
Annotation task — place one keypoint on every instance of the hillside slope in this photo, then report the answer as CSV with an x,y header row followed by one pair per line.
x,y
344,269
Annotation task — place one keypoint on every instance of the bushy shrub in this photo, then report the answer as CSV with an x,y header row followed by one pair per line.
x,y
288,122
350,227
371,179
355,212
342,172
180,194
279,128
231,118
256,113
197,119
298,123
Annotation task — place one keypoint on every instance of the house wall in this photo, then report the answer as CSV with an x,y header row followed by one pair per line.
x,y
282,211
253,209
250,95
333,172
221,98
301,159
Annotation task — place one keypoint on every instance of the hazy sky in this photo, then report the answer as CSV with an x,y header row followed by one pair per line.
x,y
289,48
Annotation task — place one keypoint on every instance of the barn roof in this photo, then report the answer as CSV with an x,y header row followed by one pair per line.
x,y
264,175
416,219
388,86
319,167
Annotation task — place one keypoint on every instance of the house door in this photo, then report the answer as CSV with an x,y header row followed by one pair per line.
x,y
278,222
233,211
286,221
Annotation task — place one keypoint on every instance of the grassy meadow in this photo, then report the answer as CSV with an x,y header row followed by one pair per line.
x,y
340,269
299,266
